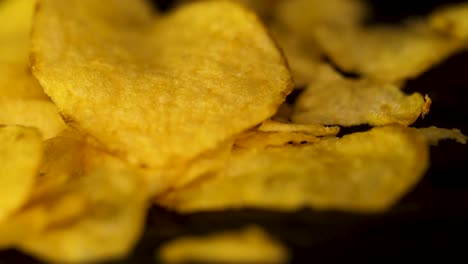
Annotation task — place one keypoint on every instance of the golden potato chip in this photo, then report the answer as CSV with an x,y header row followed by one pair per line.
x,y
40,114
452,19
386,53
20,156
311,129
259,139
366,171
435,134
248,245
348,102
167,90
89,207
303,16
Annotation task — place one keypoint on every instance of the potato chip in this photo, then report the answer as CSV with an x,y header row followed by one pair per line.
x,y
303,16
167,90
20,156
386,53
40,114
348,102
259,139
367,171
90,206
435,134
248,245
452,19
311,129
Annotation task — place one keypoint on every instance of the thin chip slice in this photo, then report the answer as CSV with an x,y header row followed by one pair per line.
x,y
434,135
259,139
89,207
40,114
248,245
311,129
386,53
20,157
348,102
168,90
367,171
452,19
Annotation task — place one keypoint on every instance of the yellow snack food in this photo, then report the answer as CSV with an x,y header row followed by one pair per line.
x,y
37,113
364,172
348,102
20,156
171,87
88,206
248,245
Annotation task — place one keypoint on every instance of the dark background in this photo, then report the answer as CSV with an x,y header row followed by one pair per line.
x,y
429,223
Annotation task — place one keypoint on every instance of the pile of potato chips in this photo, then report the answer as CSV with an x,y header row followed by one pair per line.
x,y
107,107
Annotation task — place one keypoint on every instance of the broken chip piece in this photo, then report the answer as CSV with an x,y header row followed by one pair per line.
x,y
365,172
248,245
349,102
171,87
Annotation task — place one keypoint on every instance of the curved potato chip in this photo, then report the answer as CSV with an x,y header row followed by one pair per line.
x,y
366,171
248,245
386,53
158,93
435,134
259,139
348,102
89,206
40,114
311,129
20,157
452,19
